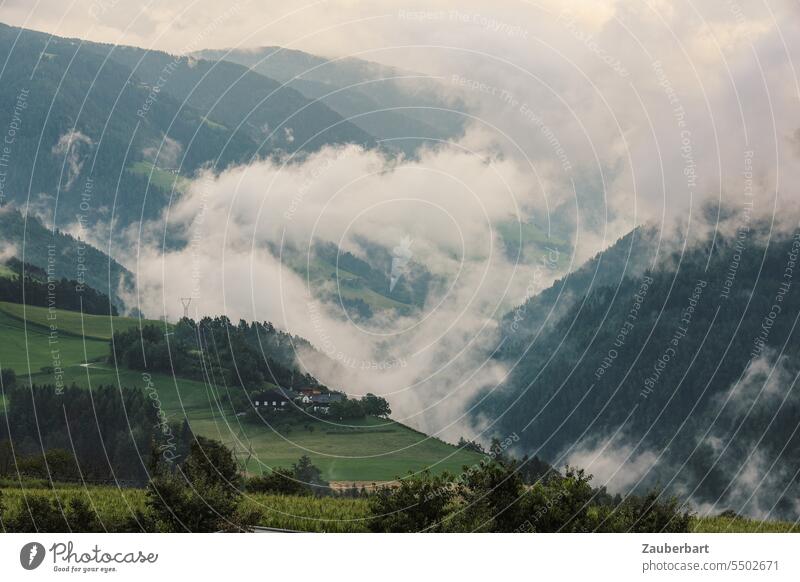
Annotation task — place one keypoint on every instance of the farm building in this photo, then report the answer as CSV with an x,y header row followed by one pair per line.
x,y
310,399
322,402
270,400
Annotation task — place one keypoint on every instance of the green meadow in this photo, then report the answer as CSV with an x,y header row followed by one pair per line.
x,y
99,327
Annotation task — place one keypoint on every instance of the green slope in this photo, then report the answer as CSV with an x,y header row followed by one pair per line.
x,y
31,348
367,450
110,108
387,103
320,273
71,322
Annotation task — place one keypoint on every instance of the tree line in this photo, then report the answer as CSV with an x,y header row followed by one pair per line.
x,y
106,434
206,492
245,354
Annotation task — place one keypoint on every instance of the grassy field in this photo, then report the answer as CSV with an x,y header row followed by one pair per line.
x,y
159,178
366,450
33,350
515,232
320,275
533,241
742,525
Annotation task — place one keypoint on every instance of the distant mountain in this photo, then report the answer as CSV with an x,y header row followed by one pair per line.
x,y
680,366
358,288
102,132
242,100
405,109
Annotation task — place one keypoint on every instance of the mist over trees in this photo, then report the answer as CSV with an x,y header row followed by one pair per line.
x,y
691,359
495,497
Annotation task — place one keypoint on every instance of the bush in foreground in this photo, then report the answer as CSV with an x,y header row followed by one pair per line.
x,y
492,497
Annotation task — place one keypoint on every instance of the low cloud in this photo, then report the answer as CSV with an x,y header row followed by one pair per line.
x,y
237,227
616,466
72,145
7,251
166,155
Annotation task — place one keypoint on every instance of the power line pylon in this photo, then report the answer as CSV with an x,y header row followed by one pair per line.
x,y
186,301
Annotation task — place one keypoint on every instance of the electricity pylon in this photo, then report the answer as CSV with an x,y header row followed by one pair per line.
x,y
186,301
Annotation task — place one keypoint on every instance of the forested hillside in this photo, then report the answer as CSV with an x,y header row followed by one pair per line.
x,y
242,101
108,131
24,283
404,109
214,349
685,370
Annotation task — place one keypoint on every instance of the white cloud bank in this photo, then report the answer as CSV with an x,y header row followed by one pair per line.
x,y
238,224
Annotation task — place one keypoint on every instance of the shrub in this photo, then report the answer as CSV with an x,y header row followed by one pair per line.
x,y
420,503
280,480
201,496
561,503
490,494
37,514
82,518
652,513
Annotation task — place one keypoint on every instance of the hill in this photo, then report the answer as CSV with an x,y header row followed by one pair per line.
x,y
358,287
26,238
81,122
677,366
87,116
231,96
27,349
368,449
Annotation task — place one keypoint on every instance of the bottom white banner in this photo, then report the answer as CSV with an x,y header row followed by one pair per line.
x,y
390,557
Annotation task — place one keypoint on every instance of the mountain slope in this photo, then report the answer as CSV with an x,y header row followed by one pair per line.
x,y
96,141
628,257
242,100
683,375
404,109
368,449
83,122
27,238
